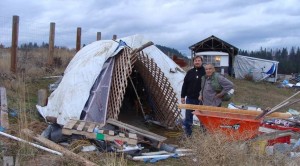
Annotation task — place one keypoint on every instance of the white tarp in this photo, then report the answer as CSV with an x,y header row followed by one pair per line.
x,y
68,100
258,69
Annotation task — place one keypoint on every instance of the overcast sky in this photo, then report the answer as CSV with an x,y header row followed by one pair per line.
x,y
246,24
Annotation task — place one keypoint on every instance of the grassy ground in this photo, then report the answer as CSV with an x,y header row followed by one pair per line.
x,y
262,94
211,150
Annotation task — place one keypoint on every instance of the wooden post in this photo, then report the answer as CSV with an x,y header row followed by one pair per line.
x,y
51,43
98,36
42,97
114,37
14,44
3,109
8,160
192,56
78,39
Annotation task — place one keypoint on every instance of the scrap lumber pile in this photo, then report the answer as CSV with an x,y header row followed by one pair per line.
x,y
124,134
118,137
93,130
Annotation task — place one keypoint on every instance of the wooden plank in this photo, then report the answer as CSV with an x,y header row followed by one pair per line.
x,y
67,131
81,125
131,141
89,135
91,127
57,147
81,128
122,135
136,130
3,109
233,111
110,132
86,134
133,136
71,123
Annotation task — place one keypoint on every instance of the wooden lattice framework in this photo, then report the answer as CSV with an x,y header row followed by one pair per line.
x,y
160,89
122,70
165,100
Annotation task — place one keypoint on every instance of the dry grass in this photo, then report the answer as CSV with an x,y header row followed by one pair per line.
x,y
33,62
4,60
215,149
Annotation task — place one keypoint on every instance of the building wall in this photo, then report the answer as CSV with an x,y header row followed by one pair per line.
x,y
224,61
216,60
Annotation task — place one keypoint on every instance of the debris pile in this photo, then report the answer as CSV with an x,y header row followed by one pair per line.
x,y
293,82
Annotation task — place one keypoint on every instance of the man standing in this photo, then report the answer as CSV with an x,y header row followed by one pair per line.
x,y
214,87
190,91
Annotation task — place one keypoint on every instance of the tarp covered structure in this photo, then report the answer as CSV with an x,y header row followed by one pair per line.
x,y
95,81
258,69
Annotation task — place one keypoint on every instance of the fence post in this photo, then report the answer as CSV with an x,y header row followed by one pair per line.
x,y
114,37
51,43
14,44
4,121
78,39
98,36
42,97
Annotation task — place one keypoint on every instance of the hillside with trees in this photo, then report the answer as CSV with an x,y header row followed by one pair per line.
x,y
171,51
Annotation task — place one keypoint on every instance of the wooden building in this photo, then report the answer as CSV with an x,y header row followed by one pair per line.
x,y
217,49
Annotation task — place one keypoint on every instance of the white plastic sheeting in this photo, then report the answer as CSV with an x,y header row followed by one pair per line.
x,y
68,100
259,69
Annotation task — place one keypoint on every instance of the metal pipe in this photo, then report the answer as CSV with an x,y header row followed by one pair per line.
x,y
35,145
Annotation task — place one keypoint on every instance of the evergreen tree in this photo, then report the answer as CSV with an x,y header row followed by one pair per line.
x,y
297,61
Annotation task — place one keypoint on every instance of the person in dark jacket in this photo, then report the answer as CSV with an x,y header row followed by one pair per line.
x,y
190,91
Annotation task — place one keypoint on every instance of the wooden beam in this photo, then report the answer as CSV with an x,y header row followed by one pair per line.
x,y
232,111
70,124
150,43
81,125
136,130
57,147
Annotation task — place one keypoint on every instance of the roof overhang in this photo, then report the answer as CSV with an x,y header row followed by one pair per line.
x,y
213,43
